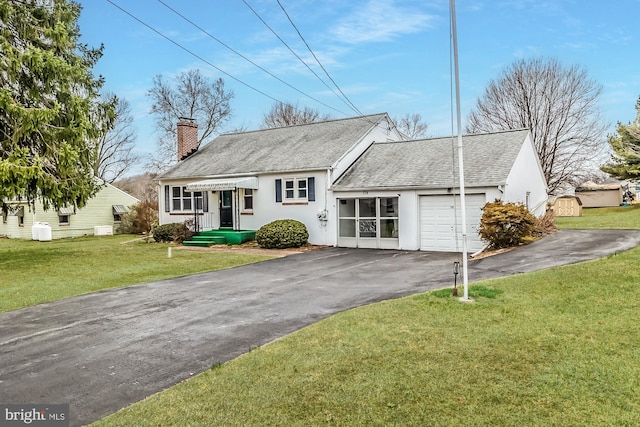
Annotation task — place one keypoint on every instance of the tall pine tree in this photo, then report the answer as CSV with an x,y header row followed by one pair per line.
x,y
48,97
625,160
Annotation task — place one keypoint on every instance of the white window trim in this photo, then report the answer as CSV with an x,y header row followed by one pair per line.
x,y
244,199
296,190
182,198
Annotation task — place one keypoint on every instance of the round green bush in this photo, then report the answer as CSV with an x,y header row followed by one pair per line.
x,y
174,232
282,233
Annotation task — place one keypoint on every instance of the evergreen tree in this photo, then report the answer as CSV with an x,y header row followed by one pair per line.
x,y
48,97
625,160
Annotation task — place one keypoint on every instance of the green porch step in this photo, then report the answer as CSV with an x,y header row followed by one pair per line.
x,y
198,244
212,239
220,237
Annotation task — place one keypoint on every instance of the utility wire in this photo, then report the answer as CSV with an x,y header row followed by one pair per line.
x,y
348,101
245,58
294,53
190,52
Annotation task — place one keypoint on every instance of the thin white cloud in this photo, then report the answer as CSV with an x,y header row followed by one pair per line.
x,y
380,21
580,47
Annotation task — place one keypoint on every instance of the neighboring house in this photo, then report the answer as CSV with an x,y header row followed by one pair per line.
x,y
104,211
352,182
600,195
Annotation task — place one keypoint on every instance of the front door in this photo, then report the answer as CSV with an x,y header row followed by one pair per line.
x,y
226,213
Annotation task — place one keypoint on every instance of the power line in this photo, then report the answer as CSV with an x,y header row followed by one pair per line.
x,y
348,101
247,59
295,54
190,52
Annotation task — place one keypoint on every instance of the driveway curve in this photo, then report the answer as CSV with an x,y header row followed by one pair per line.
x,y
103,351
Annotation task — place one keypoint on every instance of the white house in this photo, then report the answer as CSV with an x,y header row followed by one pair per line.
x,y
103,211
353,182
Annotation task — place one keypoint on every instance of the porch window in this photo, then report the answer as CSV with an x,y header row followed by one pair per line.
x,y
248,199
368,218
198,199
389,217
367,221
181,199
347,213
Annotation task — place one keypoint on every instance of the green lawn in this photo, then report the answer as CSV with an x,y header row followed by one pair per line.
x,y
623,217
35,272
554,347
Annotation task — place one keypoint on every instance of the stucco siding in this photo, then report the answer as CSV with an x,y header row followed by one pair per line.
x,y
265,207
525,182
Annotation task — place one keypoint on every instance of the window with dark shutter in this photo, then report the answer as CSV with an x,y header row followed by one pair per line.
x,y
311,188
278,190
167,198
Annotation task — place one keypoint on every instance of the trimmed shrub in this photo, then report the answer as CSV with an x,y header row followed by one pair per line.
x,y
504,225
175,232
282,233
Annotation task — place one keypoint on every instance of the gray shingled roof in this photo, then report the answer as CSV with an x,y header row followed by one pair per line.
x,y
304,147
431,163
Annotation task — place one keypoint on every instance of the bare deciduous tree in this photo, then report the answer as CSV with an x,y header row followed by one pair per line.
x,y
282,115
193,96
560,107
141,186
412,126
115,148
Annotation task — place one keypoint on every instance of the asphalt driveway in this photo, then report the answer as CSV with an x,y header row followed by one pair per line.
x,y
102,351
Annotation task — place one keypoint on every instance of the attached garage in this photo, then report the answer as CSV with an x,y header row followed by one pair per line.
x,y
441,222
401,194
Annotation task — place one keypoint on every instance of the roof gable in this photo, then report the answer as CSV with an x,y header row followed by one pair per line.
x,y
303,147
433,163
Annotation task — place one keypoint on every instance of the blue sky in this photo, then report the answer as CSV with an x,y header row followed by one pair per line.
x,y
386,55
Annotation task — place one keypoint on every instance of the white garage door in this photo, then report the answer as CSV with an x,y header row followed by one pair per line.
x,y
440,223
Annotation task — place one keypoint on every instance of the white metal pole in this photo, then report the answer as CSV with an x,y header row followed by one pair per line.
x,y
463,207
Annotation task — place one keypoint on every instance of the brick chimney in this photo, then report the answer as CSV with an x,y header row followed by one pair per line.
x,y
187,137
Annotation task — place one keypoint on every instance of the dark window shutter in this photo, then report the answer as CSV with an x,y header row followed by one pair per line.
x,y
167,199
278,190
205,201
311,188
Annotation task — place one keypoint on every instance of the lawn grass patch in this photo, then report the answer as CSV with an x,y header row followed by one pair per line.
x,y
35,272
619,217
554,347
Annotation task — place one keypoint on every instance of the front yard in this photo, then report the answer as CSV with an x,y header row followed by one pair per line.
x,y
554,347
35,272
